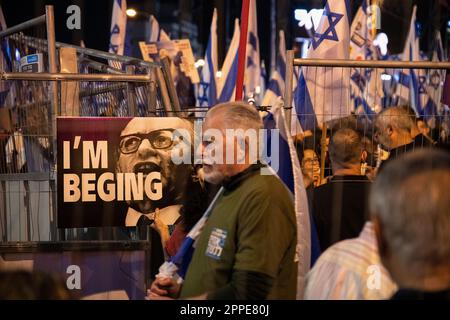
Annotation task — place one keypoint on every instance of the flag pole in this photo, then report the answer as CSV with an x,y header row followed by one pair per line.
x,y
242,50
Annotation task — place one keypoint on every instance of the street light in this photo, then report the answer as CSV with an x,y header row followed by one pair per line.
x,y
131,13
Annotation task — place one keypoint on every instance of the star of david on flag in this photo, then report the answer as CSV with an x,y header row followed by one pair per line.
x,y
330,33
322,94
207,88
202,96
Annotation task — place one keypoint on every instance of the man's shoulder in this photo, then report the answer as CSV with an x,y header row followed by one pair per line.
x,y
351,253
265,183
360,182
266,191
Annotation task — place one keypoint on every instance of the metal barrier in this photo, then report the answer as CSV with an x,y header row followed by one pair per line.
x,y
76,82
321,74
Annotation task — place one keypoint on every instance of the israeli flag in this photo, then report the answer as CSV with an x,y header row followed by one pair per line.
x,y
435,81
207,88
290,173
410,82
118,30
366,89
323,93
276,84
177,266
276,87
252,78
226,84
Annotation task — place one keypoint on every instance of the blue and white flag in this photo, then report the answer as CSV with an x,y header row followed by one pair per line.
x,y
366,90
156,33
226,84
323,93
118,30
435,81
276,87
252,77
177,266
290,173
276,84
411,83
207,88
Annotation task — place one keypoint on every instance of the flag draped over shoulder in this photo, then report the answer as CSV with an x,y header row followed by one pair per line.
x,y
118,30
290,173
177,266
207,88
323,93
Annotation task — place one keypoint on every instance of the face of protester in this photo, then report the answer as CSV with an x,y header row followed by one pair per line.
x,y
216,170
423,127
311,166
145,146
385,137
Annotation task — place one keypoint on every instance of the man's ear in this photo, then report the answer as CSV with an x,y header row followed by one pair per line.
x,y
389,130
363,156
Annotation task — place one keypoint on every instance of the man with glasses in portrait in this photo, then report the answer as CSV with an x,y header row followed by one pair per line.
x,y
145,146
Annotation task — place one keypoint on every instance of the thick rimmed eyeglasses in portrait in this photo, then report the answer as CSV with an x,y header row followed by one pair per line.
x,y
159,139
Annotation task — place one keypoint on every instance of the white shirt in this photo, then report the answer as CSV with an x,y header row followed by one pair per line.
x,y
168,215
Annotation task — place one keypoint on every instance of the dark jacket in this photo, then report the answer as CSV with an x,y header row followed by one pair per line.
x,y
339,208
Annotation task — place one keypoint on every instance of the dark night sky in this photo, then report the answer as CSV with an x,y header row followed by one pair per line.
x,y
96,18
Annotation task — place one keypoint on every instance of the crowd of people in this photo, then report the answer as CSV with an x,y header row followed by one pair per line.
x,y
379,207
381,215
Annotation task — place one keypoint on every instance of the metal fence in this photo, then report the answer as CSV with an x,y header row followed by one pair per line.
x,y
355,103
74,81
78,81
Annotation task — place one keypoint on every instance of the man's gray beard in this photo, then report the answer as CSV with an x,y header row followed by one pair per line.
x,y
215,177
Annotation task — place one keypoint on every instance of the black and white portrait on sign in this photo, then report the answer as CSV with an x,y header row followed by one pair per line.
x,y
120,171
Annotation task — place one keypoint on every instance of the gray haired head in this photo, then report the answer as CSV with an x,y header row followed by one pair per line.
x,y
237,115
409,202
396,117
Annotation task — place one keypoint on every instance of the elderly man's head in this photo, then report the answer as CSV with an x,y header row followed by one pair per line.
x,y
145,146
223,117
410,206
394,127
346,150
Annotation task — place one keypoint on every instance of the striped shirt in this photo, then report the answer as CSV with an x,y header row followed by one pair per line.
x,y
350,270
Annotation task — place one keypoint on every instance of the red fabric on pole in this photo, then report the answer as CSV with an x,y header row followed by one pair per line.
x,y
242,50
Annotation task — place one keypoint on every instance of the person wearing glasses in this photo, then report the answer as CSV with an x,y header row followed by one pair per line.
x,y
145,146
